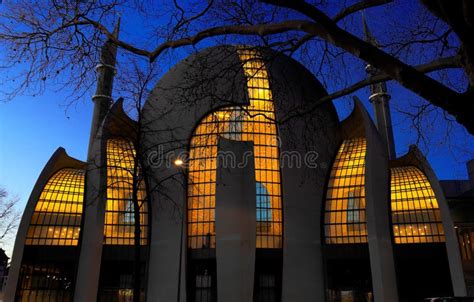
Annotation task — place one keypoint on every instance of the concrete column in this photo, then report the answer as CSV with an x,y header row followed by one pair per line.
x,y
167,262
302,194
87,282
235,223
377,192
303,272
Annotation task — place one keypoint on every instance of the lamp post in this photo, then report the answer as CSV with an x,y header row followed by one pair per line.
x,y
179,164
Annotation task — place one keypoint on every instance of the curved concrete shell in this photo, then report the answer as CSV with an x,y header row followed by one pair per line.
x,y
414,158
377,207
58,161
373,224
215,79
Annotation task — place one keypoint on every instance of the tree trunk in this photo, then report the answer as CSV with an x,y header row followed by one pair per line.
x,y
137,235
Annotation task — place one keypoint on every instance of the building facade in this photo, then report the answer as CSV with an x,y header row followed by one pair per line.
x,y
224,190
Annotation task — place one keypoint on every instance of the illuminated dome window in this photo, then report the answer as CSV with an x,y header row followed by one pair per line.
x,y
119,226
248,123
415,212
344,218
58,212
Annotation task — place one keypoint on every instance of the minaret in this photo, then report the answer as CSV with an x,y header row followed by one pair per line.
x,y
380,98
105,78
92,232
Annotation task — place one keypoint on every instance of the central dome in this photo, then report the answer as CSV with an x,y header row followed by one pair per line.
x,y
214,78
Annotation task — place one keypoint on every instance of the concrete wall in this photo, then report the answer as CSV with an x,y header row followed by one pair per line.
x,y
377,191
235,223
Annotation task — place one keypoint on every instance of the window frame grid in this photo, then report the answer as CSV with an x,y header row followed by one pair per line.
x,y
420,222
61,226
120,166
254,124
347,176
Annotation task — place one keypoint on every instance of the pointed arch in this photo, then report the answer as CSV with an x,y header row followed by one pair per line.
x,y
416,216
58,212
345,214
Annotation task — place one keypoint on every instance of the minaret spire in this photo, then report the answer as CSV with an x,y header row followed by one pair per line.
x,y
380,98
105,78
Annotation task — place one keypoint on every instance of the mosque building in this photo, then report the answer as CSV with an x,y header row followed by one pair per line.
x,y
317,209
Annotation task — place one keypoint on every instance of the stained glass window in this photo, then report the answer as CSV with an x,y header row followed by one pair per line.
x,y
119,224
415,212
247,123
58,212
344,217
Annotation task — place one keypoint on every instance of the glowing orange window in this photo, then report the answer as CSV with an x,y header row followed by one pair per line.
x,y
248,123
344,217
415,212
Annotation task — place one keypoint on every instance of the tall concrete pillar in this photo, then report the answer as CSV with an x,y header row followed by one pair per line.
x,y
305,165
87,282
377,192
167,262
235,222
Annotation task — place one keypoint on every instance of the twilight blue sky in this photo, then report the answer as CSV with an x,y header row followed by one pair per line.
x,y
32,128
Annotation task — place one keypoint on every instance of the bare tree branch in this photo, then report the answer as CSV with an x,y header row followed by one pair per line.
x,y
358,7
444,63
9,216
456,104
260,29
451,62
430,89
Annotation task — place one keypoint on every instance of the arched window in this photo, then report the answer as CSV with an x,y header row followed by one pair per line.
x,y
54,229
344,217
416,216
119,226
58,212
248,123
